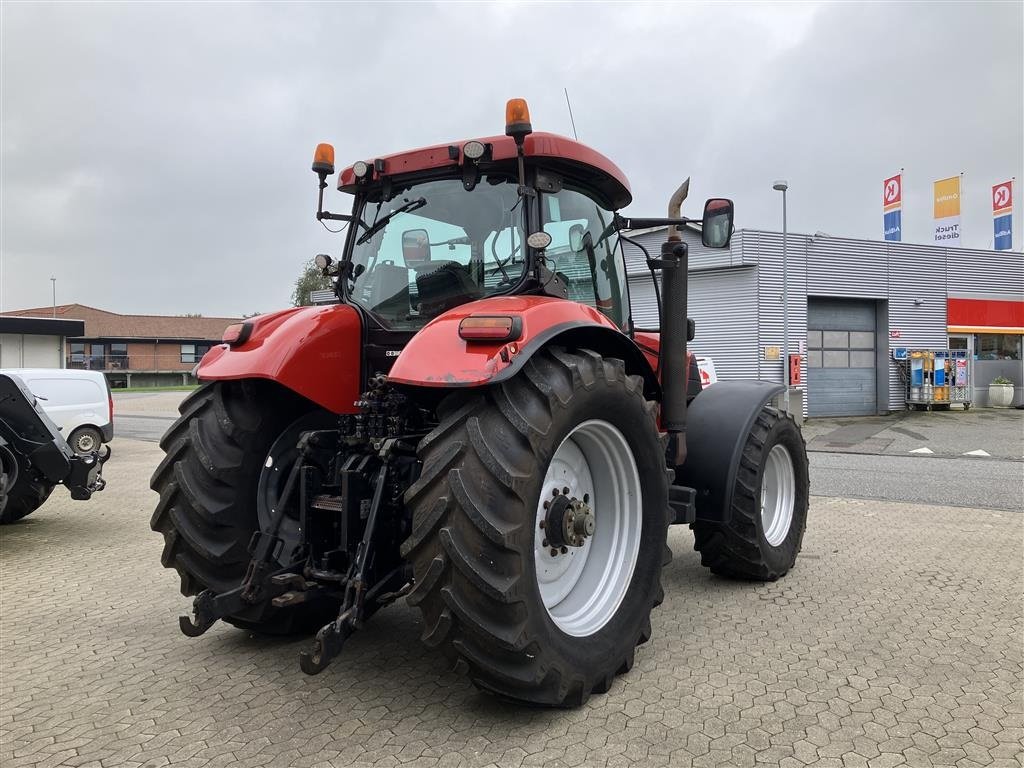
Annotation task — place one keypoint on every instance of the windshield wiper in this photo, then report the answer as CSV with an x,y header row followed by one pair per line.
x,y
377,226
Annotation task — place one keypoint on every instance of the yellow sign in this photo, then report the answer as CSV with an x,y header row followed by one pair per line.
x,y
947,197
772,353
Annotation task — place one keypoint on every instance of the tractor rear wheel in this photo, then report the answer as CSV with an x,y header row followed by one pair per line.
x,y
539,528
226,460
23,491
769,505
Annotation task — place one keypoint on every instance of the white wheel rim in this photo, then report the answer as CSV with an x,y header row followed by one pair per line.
x,y
778,495
583,588
86,443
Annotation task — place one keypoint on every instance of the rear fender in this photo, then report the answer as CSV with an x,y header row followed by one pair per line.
x,y
438,357
718,421
314,351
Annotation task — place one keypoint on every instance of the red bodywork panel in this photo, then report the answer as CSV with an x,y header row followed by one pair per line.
x,y
438,357
315,351
539,145
650,345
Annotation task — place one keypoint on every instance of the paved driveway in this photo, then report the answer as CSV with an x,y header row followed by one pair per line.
x,y
896,640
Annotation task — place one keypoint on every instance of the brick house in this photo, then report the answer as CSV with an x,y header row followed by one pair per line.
x,y
139,350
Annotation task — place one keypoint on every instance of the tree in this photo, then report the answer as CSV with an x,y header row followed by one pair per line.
x,y
311,279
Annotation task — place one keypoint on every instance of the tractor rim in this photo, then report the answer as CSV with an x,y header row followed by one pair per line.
x,y
582,587
778,495
274,476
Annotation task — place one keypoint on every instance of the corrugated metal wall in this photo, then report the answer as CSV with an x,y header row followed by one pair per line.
x,y
766,247
990,274
917,305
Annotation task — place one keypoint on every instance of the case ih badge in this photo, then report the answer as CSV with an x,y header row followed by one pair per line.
x,y
476,427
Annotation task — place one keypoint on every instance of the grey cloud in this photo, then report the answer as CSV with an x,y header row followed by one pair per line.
x,y
155,156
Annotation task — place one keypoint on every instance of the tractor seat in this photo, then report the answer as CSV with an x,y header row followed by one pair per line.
x,y
389,291
442,285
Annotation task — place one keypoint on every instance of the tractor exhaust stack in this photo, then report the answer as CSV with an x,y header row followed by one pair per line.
x,y
673,356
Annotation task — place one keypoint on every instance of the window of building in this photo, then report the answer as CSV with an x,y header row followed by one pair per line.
x,y
997,346
77,353
97,356
119,355
193,353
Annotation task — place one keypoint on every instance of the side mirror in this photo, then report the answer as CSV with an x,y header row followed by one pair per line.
x,y
691,329
415,247
576,238
716,226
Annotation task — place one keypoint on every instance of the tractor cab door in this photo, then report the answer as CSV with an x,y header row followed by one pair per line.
x,y
589,261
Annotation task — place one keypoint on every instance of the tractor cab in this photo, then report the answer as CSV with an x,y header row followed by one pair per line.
x,y
435,228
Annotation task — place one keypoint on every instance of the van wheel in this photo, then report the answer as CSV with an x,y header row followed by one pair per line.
x,y
85,440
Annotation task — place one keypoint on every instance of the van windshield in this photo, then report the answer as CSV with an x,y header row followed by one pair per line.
x,y
444,246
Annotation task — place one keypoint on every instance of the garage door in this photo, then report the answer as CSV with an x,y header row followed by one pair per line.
x,y
841,357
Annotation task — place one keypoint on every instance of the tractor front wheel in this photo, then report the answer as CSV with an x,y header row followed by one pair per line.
x,y
227,457
539,528
769,505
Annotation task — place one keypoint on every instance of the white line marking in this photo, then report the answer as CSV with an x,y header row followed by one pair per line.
x,y
921,450
978,452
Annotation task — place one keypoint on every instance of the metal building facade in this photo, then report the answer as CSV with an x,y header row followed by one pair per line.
x,y
736,297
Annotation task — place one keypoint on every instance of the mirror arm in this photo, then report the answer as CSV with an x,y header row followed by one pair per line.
x,y
624,222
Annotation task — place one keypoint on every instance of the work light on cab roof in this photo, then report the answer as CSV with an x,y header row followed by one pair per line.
x,y
478,424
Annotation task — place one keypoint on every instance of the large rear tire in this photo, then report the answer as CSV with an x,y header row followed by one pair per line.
x,y
230,437
531,621
769,505
22,491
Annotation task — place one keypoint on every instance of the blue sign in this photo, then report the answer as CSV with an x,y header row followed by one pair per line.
x,y
893,225
1003,232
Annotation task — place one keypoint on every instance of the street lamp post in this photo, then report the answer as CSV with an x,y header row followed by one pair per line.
x,y
53,282
781,186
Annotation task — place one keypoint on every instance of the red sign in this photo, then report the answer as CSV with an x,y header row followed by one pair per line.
x,y
892,192
1002,197
895,334
985,315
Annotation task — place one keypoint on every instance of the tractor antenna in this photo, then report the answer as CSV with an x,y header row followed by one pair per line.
x,y
570,114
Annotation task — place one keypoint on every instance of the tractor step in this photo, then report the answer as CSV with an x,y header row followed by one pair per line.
x,y
682,503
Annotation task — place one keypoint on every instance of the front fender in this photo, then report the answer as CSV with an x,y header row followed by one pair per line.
x,y
718,421
314,351
438,357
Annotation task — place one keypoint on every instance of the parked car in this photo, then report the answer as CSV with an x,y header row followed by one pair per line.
x,y
78,402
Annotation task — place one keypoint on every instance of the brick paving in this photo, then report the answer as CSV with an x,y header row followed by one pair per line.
x,y
897,640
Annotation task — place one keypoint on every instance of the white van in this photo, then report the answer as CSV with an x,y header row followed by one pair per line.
x,y
79,402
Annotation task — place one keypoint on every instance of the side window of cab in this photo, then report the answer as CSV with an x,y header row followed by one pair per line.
x,y
585,252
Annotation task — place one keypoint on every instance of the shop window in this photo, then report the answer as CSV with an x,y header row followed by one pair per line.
x,y
997,346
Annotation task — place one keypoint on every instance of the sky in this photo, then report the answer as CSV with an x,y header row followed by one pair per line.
x,y
155,157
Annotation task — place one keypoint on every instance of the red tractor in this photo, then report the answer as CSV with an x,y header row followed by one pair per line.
x,y
477,426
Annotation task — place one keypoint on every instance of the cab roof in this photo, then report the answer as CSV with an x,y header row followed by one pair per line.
x,y
575,161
